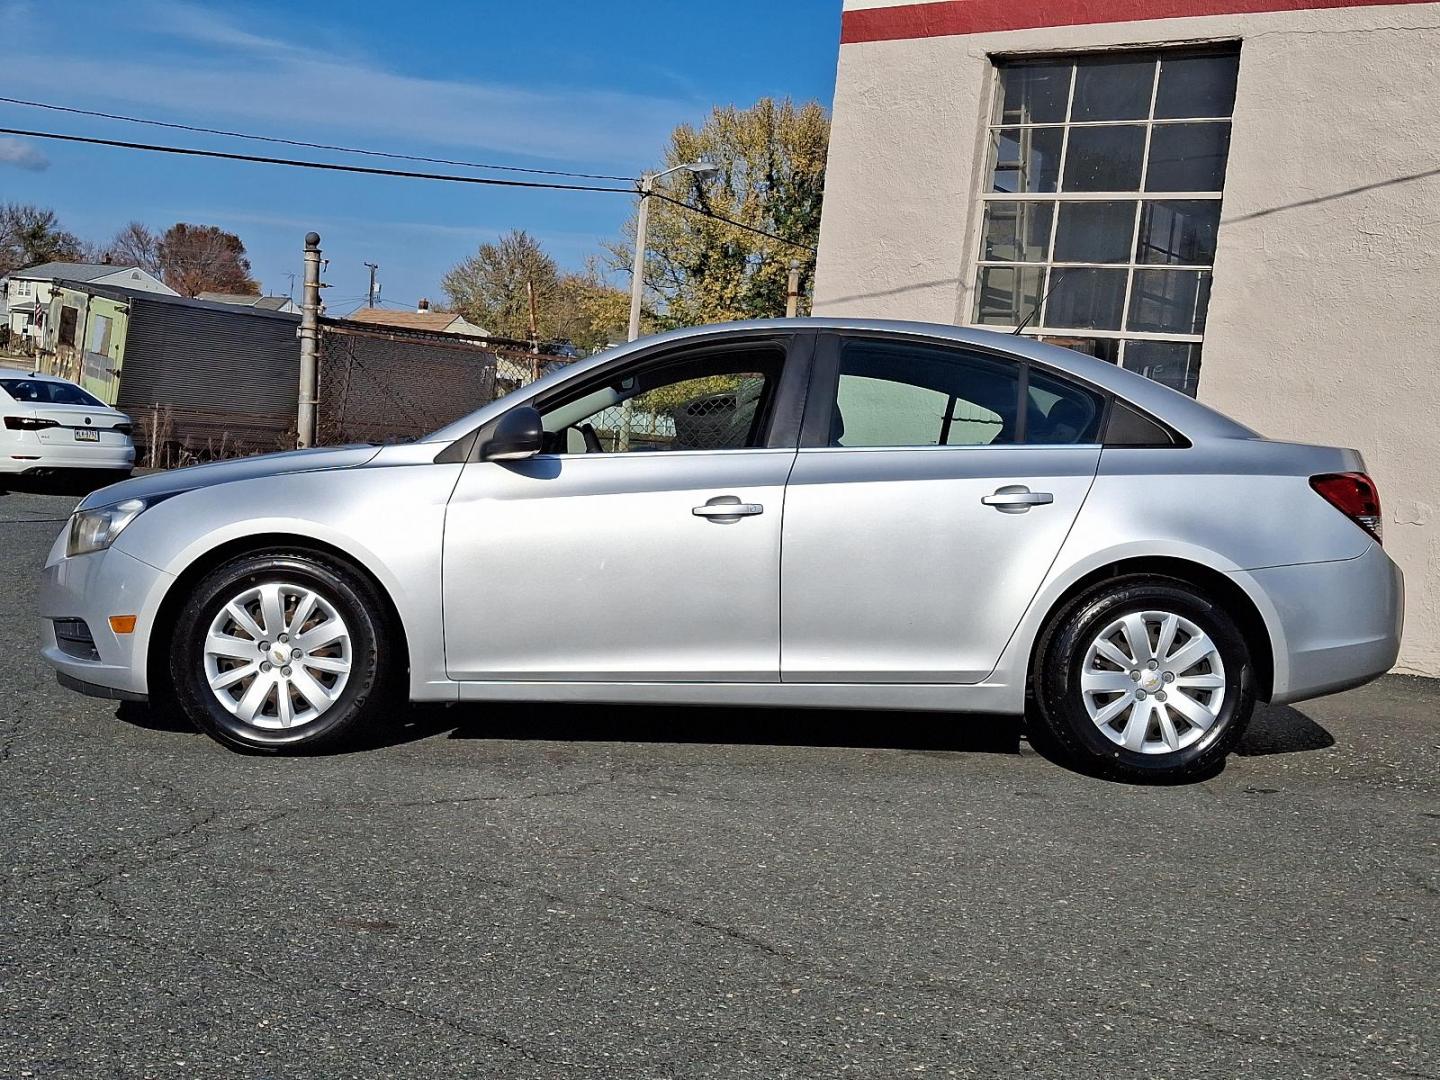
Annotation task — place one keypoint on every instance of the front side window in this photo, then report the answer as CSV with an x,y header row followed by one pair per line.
x,y
892,393
1102,204
715,401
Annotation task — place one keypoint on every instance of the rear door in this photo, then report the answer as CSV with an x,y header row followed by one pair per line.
x,y
934,486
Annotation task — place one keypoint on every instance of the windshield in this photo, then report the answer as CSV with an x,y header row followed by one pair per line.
x,y
49,392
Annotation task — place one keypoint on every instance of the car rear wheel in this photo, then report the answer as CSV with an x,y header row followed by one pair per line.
x,y
1144,678
281,651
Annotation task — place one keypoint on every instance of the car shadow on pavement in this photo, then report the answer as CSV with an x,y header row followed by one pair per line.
x,y
659,724
721,725
76,483
1273,730
1279,730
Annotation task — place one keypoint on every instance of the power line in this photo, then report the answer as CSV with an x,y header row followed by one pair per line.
x,y
324,165
310,145
367,170
705,212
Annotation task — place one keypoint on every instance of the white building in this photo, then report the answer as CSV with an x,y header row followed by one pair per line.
x,y
1235,197
27,292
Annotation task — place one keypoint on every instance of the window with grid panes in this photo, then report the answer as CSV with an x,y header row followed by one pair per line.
x,y
1102,204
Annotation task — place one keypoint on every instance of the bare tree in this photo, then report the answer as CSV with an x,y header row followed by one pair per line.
x,y
31,234
136,245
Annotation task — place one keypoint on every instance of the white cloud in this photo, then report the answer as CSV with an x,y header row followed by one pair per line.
x,y
22,155
227,74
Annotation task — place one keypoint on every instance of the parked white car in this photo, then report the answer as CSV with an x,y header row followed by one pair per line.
x,y
48,424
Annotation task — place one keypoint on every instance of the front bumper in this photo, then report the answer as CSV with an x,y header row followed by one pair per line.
x,y
93,587
1335,624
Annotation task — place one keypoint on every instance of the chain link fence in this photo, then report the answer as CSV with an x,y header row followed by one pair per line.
x,y
385,387
716,412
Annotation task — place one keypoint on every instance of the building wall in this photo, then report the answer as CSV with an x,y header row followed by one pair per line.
x,y
23,300
1322,318
95,357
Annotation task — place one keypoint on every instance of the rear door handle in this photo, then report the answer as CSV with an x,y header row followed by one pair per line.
x,y
725,508
1017,499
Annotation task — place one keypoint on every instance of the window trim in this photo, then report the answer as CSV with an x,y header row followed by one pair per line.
x,y
785,409
825,386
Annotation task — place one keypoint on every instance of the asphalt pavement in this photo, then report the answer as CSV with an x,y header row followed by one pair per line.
x,y
611,892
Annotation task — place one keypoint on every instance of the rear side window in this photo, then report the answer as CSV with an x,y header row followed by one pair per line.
x,y
46,392
902,394
899,393
1061,413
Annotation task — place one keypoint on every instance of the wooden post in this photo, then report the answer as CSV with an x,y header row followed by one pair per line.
x,y
792,291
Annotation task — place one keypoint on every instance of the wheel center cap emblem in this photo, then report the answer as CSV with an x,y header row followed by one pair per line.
x,y
279,656
1150,681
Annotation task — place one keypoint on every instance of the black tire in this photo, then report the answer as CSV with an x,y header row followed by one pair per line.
x,y
1060,657
365,693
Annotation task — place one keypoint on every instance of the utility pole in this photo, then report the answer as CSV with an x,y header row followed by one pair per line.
x,y
700,169
534,333
637,272
792,290
372,294
309,344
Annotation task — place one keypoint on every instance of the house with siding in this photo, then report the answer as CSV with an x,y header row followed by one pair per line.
x,y
27,292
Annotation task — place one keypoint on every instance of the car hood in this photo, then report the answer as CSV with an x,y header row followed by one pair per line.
x,y
175,481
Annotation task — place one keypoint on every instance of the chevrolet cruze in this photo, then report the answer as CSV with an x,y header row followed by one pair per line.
x,y
852,514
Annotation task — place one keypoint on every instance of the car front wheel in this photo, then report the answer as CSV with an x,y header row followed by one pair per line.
x,y
281,651
1144,678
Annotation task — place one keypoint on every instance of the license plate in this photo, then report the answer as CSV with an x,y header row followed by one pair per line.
x,y
86,435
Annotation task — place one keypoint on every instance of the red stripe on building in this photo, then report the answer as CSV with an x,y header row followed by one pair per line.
x,y
949,17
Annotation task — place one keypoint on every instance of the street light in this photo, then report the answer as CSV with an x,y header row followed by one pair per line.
x,y
642,222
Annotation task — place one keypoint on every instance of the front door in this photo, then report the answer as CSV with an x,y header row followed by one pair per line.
x,y
932,492
644,545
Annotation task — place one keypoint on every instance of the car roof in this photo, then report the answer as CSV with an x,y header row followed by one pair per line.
x,y
21,373
1182,412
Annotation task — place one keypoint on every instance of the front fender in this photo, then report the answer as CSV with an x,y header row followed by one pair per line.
x,y
388,521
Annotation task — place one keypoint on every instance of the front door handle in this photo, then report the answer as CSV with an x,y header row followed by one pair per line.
x,y
727,508
1017,499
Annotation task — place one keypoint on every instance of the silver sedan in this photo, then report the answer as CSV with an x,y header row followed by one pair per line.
x,y
803,513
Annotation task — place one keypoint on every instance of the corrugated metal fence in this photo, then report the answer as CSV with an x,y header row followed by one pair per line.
x,y
204,381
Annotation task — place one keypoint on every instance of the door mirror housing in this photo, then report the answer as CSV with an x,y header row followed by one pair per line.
x,y
516,435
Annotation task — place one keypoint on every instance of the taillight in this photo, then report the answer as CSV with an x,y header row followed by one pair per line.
x,y
125,429
1355,495
29,423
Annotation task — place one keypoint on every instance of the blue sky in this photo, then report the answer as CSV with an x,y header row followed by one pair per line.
x,y
565,84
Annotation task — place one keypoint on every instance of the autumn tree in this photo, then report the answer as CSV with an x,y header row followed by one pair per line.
x,y
772,178
136,245
492,289
32,234
203,258
592,312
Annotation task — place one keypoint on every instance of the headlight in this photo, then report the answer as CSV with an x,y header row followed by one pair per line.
x,y
96,530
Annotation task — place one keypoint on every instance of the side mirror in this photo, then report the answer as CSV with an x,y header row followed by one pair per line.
x,y
517,434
